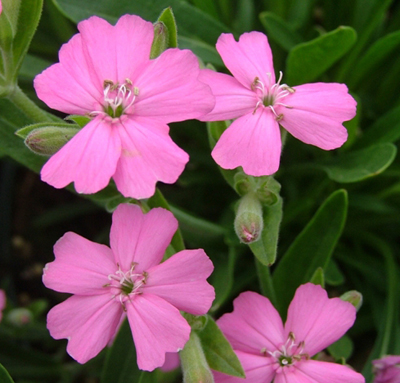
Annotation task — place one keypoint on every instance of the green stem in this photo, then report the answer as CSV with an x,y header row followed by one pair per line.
x,y
265,281
28,107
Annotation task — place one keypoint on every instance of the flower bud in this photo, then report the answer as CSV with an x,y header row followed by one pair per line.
x,y
193,361
249,218
19,317
48,140
353,297
160,40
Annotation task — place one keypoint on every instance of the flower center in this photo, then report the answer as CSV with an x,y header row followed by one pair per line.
x,y
288,354
117,98
125,284
270,95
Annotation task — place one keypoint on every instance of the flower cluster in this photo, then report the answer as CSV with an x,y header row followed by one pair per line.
x,y
106,74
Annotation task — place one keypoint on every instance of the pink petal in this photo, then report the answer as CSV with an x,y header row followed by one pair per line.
x,y
172,361
181,281
88,322
258,369
317,112
2,303
316,319
169,89
324,372
157,327
254,325
148,155
248,58
253,141
116,52
141,238
89,159
232,99
67,86
81,266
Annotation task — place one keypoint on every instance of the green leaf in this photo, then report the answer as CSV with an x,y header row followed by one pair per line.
x,y
191,21
218,351
120,364
205,51
361,164
4,375
385,129
342,348
279,30
333,275
265,249
375,57
28,19
167,17
318,277
311,249
307,61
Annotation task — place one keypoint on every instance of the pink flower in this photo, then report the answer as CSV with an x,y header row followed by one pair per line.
x,y
105,73
313,113
127,279
2,303
270,351
387,369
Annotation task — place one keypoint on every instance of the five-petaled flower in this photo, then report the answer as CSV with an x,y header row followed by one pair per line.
x,y
105,72
128,279
313,113
387,369
270,351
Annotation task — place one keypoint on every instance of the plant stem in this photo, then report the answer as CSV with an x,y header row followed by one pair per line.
x,y
265,281
28,107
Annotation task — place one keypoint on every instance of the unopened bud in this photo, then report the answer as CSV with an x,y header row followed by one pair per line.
x,y
193,361
160,40
353,297
48,140
249,219
19,317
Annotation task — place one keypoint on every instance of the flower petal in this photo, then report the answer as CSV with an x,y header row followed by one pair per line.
x,y
181,281
88,322
248,58
316,319
169,89
254,324
139,237
89,159
325,372
258,369
253,141
81,266
317,112
157,327
67,86
148,155
232,99
116,52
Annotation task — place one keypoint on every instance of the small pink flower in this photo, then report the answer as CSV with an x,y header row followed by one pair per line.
x,y
106,74
387,369
2,303
270,351
313,113
127,279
